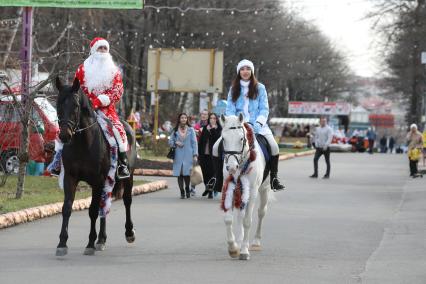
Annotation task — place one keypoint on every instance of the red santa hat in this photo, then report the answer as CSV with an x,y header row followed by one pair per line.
x,y
96,43
244,63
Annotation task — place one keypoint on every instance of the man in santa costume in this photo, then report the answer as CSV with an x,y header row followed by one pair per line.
x,y
100,79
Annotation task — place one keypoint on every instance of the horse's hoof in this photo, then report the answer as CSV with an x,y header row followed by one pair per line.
x,y
234,253
89,251
255,247
61,251
100,246
244,256
131,239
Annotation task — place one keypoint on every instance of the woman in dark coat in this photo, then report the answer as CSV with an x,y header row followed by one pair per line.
x,y
209,135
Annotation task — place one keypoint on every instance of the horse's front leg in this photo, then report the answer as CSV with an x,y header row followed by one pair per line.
x,y
263,206
127,200
93,214
102,236
70,185
247,217
247,221
233,249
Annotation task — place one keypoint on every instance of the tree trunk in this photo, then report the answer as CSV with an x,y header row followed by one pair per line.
x,y
23,150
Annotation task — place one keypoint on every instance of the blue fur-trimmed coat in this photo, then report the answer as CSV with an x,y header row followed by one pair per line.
x,y
184,155
258,108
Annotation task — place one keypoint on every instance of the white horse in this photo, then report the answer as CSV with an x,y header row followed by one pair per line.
x,y
243,171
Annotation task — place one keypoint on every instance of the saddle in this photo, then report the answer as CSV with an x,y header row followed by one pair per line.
x,y
266,149
264,145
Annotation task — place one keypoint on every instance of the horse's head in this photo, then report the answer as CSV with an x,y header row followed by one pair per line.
x,y
68,108
234,141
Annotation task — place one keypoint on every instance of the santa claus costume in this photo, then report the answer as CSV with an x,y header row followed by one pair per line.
x,y
100,79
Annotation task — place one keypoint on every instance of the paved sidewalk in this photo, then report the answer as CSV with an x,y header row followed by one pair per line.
x,y
401,254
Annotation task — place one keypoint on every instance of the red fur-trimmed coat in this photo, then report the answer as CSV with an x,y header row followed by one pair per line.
x,y
114,93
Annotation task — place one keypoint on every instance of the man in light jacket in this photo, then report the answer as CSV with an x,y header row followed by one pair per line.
x,y
322,139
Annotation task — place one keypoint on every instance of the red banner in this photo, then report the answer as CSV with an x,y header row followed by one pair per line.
x,y
382,120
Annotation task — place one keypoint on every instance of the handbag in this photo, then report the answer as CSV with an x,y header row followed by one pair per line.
x,y
196,175
171,153
414,154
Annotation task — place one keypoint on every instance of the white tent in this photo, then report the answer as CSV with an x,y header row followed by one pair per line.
x,y
359,114
281,121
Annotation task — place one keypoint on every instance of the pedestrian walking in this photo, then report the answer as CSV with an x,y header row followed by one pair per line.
x,y
415,145
371,136
209,135
322,139
204,115
383,144
198,125
186,152
391,144
248,97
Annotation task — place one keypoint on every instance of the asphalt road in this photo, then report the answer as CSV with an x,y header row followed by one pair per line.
x,y
364,225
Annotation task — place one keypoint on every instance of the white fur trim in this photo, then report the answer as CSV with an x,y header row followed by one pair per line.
x,y
58,145
243,63
61,176
105,101
122,145
261,119
101,42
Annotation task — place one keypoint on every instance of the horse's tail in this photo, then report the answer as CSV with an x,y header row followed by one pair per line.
x,y
117,191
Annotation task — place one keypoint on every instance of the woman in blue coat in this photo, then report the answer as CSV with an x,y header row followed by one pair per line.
x,y
249,97
184,140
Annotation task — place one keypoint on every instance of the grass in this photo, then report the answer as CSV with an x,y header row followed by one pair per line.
x,y
293,150
38,190
149,155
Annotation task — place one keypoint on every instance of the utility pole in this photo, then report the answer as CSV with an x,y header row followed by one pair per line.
x,y
26,57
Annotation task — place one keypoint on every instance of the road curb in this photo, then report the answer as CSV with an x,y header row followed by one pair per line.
x,y
30,214
153,172
169,173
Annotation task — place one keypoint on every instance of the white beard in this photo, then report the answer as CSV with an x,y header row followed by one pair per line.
x,y
99,72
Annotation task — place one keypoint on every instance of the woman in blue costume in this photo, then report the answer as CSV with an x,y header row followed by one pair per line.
x,y
249,97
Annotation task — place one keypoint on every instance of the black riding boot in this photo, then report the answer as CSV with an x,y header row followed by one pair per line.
x,y
275,183
123,168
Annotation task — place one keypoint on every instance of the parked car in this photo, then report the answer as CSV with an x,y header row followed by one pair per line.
x,y
43,129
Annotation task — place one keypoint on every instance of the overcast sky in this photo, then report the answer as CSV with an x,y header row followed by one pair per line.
x,y
341,21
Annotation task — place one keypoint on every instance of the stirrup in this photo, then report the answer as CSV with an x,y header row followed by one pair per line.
x,y
125,174
211,184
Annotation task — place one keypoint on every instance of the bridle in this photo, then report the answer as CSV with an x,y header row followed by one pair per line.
x,y
74,126
238,155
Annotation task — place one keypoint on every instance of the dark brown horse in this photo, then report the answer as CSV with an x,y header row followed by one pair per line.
x,y
86,157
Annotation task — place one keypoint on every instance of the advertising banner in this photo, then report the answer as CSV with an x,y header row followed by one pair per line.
x,y
319,108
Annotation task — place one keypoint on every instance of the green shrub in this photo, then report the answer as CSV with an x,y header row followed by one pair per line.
x,y
161,148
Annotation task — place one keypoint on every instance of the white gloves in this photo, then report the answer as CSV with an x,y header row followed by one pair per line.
x,y
104,99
